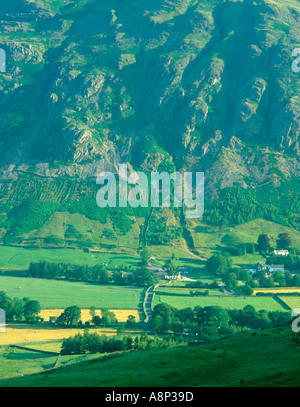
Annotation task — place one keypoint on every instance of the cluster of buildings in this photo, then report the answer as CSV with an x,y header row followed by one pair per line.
x,y
269,268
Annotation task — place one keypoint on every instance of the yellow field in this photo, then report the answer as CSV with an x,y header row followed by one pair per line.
x,y
17,334
277,290
121,315
22,333
292,302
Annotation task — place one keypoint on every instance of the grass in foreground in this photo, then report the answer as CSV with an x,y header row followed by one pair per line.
x,y
17,362
248,359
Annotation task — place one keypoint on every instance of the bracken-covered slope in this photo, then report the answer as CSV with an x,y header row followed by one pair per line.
x,y
203,85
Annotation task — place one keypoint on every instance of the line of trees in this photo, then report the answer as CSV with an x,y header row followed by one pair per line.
x,y
94,343
211,322
141,277
44,269
235,247
199,284
20,309
283,241
71,317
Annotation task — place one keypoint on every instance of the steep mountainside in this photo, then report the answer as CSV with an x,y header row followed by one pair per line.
x,y
203,85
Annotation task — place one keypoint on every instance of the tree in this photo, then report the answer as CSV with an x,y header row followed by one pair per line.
x,y
241,250
104,276
108,318
131,320
218,264
296,281
279,318
186,315
177,328
263,242
230,240
158,324
18,309
171,269
261,321
162,318
250,248
144,277
247,289
96,320
145,255
265,282
31,310
230,281
92,312
70,316
121,330
284,241
211,321
118,277
246,317
244,275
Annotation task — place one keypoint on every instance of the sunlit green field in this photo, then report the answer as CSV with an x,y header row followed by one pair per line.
x,y
180,302
62,294
291,302
186,291
20,258
17,362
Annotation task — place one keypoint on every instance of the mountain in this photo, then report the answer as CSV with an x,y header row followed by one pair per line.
x,y
203,85
161,85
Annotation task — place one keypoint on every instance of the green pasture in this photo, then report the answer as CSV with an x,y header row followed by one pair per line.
x,y
180,302
62,294
13,258
17,362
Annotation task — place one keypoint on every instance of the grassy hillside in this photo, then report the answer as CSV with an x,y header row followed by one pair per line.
x,y
209,238
15,362
243,360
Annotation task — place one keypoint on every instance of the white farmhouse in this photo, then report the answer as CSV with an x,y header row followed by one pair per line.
x,y
268,268
281,252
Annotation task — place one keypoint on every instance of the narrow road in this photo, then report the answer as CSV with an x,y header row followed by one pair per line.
x,y
148,309
226,291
